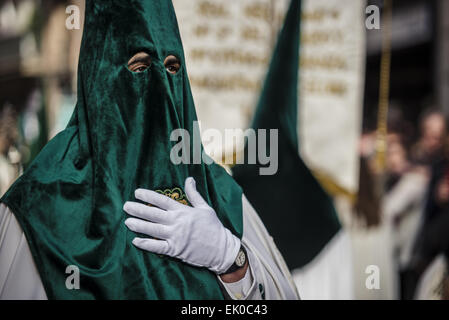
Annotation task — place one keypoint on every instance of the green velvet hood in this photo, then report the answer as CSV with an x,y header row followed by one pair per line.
x,y
69,202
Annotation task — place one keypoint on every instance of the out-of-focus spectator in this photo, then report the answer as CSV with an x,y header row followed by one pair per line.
x,y
8,154
405,195
433,238
367,206
428,148
403,202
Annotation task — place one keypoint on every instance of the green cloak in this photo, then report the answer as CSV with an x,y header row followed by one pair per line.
x,y
69,202
297,212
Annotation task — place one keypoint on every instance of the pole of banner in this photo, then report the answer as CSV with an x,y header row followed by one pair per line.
x,y
384,87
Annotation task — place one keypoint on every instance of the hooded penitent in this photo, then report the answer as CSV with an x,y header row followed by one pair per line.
x,y
69,202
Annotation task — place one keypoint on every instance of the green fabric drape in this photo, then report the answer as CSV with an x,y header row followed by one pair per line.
x,y
295,209
69,202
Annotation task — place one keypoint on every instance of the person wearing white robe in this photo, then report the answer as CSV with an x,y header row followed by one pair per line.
x,y
267,276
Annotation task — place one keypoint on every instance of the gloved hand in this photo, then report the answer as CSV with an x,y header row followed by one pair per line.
x,y
194,235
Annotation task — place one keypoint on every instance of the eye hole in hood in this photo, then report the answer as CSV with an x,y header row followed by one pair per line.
x,y
139,62
172,64
142,61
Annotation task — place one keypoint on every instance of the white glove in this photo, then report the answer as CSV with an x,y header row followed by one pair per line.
x,y
194,235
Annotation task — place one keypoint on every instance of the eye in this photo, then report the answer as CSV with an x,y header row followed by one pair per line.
x,y
139,62
172,64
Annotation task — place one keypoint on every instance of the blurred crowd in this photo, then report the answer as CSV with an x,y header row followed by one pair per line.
x,y
411,194
10,166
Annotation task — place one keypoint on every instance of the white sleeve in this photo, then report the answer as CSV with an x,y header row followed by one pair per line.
x,y
19,278
267,276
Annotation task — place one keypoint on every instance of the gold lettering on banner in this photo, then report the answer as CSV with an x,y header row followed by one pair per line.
x,y
228,56
210,9
321,37
201,31
324,58
320,14
330,63
252,33
259,11
325,87
230,83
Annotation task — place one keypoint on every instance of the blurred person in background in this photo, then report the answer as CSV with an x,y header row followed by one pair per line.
x,y
367,208
433,237
394,198
374,185
428,148
9,170
403,201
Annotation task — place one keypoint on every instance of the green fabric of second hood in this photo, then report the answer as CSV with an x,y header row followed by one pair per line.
x,y
296,210
69,202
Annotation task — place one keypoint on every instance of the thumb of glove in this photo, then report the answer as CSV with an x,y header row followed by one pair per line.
x,y
193,195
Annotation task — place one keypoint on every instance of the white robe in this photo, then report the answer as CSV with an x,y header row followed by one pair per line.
x,y
267,276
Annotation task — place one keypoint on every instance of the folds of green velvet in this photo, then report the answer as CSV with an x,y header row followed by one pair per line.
x,y
295,209
69,202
